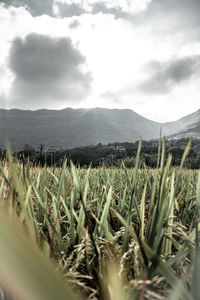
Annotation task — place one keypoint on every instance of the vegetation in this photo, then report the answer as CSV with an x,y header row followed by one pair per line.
x,y
113,154
111,233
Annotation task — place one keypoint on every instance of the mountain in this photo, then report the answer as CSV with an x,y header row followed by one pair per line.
x,y
186,127
182,125
69,128
192,131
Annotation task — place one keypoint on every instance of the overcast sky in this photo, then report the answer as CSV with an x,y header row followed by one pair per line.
x,y
137,54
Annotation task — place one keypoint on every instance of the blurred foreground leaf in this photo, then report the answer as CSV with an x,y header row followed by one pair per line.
x,y
25,272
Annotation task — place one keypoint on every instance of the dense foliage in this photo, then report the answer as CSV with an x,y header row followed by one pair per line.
x,y
113,233
113,154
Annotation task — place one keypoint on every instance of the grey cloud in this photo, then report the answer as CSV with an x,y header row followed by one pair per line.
x,y
169,15
74,9
164,16
39,7
188,8
116,11
164,76
47,69
74,24
35,7
172,16
69,10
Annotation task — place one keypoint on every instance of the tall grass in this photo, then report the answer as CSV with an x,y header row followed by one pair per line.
x,y
106,233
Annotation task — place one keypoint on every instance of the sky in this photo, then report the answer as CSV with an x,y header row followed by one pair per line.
x,y
142,55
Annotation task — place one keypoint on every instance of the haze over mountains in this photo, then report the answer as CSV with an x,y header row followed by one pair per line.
x,y
69,128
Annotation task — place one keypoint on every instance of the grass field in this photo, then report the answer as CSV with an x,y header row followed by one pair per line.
x,y
70,233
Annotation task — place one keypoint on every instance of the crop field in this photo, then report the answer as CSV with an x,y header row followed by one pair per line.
x,y
105,233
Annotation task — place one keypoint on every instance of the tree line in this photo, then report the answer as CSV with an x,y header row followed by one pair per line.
x,y
111,154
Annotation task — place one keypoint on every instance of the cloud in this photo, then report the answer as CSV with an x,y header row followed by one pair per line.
x,y
68,10
172,17
35,7
169,16
99,7
72,8
74,24
126,6
119,8
165,75
191,9
47,70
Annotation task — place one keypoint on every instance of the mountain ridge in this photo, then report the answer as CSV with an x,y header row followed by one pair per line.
x,y
69,127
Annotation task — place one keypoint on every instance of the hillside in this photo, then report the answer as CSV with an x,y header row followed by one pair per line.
x,y
70,128
187,123
193,132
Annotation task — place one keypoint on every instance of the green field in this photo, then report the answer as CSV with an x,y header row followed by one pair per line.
x,y
105,233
